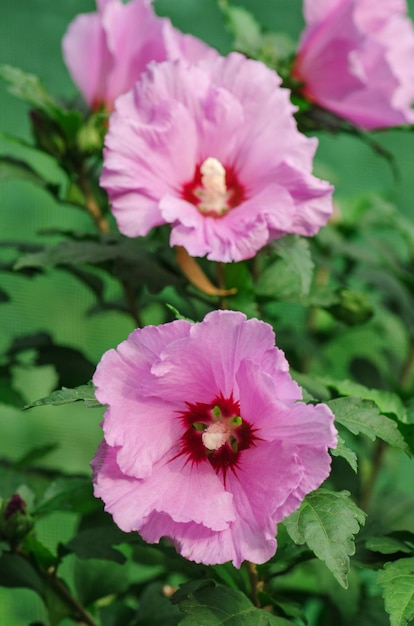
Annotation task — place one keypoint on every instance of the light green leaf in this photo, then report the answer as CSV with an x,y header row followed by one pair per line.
x,y
327,522
84,393
27,87
177,314
397,581
363,416
289,277
346,453
244,28
211,604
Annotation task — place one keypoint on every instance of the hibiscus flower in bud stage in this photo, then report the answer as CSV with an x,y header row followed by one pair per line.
x,y
107,51
355,59
206,441
212,149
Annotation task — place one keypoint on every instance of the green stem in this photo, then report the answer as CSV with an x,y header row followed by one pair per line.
x,y
368,487
407,371
132,304
221,281
255,583
91,204
83,618
78,612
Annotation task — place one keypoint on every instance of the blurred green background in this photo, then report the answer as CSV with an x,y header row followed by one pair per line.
x,y
30,38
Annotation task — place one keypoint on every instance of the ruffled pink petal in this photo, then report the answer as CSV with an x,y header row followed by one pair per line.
x,y
134,37
316,463
152,484
242,541
86,56
106,52
233,110
355,60
208,362
185,492
185,47
134,420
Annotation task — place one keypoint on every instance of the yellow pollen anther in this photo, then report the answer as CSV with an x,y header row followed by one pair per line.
x,y
216,436
214,194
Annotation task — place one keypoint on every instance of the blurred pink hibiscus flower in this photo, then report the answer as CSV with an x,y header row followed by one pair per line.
x,y
205,440
212,149
107,51
356,59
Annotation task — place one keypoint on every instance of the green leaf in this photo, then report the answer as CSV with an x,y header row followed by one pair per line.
x,y
39,552
57,607
12,169
16,571
388,545
96,543
211,604
4,296
327,522
407,431
397,581
35,454
291,276
96,579
362,416
244,28
134,262
346,453
177,314
389,403
83,393
117,614
70,493
28,87
9,395
155,609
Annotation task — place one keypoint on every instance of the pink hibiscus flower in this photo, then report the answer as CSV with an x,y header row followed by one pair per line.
x,y
205,442
356,59
212,149
106,52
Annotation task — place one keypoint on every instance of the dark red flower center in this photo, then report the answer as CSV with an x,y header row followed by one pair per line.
x,y
216,433
215,189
